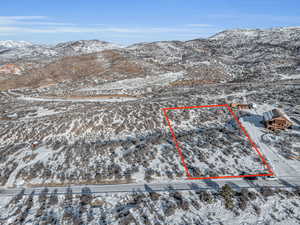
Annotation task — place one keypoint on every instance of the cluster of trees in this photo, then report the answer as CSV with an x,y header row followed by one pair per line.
x,y
139,207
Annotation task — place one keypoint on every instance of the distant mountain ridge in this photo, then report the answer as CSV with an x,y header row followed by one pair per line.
x,y
273,36
13,51
85,46
229,56
14,44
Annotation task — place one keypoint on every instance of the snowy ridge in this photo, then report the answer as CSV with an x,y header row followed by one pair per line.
x,y
25,51
86,46
14,44
281,34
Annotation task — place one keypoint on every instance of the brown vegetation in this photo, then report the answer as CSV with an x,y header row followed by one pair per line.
x,y
75,68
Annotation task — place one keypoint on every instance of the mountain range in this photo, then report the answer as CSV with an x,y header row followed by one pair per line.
x,y
229,56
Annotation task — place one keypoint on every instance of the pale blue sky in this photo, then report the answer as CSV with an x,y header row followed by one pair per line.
x,y
131,21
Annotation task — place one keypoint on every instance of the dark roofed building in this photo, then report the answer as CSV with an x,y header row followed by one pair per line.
x,y
276,120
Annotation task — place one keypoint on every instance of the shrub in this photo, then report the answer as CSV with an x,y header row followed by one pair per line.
x,y
252,195
195,204
86,196
129,219
29,201
266,192
205,196
176,195
257,209
170,209
227,193
297,191
154,196
145,220
53,198
184,205
43,195
242,203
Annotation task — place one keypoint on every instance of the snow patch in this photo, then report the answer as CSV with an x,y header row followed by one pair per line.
x,y
43,154
287,77
134,83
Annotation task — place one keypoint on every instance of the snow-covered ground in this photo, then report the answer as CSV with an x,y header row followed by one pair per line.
x,y
133,83
215,148
24,158
293,76
92,99
40,112
281,166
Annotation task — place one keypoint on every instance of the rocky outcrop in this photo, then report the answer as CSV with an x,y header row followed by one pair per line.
x,y
10,69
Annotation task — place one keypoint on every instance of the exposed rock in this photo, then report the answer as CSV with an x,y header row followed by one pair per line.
x,y
10,69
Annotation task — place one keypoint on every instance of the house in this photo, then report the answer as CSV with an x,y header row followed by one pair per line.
x,y
241,106
276,120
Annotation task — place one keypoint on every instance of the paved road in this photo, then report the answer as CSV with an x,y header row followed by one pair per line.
x,y
180,185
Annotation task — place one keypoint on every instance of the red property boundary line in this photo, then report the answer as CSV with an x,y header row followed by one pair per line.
x,y
176,142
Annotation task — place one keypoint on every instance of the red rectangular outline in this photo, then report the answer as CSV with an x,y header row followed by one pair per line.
x,y
165,110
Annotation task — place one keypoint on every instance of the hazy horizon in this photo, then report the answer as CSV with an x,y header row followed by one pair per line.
x,y
125,45
134,21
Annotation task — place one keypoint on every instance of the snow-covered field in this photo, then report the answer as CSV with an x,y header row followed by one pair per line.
x,y
26,157
134,83
129,141
218,147
92,99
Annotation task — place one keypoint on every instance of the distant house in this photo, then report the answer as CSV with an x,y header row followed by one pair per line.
x,y
34,145
276,120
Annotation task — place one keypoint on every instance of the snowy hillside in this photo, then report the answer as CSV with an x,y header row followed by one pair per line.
x,y
272,36
27,52
229,56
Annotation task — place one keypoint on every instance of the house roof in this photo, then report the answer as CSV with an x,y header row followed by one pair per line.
x,y
274,113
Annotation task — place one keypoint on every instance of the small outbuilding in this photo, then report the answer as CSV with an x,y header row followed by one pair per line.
x,y
276,120
34,145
